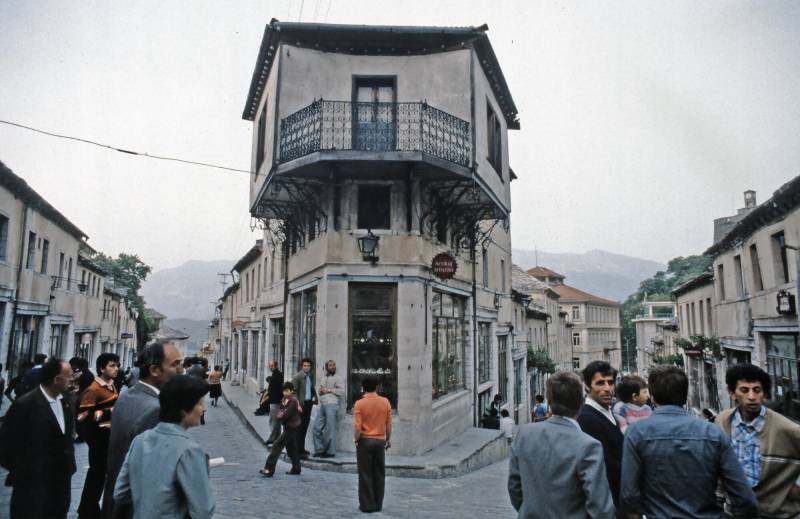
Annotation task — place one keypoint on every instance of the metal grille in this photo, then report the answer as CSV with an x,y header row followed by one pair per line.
x,y
375,127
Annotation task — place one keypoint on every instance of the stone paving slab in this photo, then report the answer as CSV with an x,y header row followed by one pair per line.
x,y
473,449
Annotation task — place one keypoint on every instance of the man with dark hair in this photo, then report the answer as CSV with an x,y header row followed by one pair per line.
x,y
570,481
36,446
137,410
32,378
597,420
307,395
672,462
372,427
766,444
94,422
274,397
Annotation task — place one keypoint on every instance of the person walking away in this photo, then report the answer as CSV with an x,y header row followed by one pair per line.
x,y
94,422
767,445
290,416
556,470
633,396
215,384
331,390
166,473
33,378
15,384
194,367
275,394
304,387
36,446
597,420
137,410
506,425
541,411
372,427
672,462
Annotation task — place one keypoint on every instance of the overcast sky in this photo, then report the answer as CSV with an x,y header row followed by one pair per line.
x,y
641,121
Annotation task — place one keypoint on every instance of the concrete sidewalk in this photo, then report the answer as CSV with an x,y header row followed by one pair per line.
x,y
474,449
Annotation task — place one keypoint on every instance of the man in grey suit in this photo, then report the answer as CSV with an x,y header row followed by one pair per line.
x,y
137,410
556,470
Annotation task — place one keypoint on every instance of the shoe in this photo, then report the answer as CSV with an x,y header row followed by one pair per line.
x,y
267,473
306,452
304,456
294,472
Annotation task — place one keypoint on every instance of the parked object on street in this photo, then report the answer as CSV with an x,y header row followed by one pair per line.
x,y
290,415
672,462
166,473
766,443
372,426
36,446
331,389
555,469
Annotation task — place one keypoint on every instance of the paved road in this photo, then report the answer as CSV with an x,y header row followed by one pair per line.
x,y
242,493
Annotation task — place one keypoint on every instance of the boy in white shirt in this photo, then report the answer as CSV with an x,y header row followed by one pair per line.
x,y
506,425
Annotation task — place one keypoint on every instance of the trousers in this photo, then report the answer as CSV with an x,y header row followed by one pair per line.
x,y
286,439
371,461
306,419
89,506
274,423
325,429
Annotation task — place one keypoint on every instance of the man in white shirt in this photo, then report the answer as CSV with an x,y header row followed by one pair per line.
x,y
36,446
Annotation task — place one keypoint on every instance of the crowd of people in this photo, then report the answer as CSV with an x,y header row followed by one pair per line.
x,y
603,449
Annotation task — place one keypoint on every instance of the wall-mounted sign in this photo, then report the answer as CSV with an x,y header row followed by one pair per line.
x,y
126,336
786,303
444,266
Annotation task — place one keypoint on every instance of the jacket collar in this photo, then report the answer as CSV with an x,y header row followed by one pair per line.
x,y
171,429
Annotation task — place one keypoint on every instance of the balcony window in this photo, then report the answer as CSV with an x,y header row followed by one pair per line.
x,y
261,137
374,207
374,114
45,253
31,250
494,132
780,263
502,366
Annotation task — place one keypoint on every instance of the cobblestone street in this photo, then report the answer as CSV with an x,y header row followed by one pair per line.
x,y
242,493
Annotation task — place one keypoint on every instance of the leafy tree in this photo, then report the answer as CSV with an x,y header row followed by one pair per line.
x,y
541,361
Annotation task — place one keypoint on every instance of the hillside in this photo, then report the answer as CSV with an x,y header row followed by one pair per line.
x,y
186,291
609,275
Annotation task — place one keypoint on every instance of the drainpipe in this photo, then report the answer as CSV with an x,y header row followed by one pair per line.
x,y
472,257
23,228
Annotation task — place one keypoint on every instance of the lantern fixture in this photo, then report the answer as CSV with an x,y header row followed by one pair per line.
x,y
368,245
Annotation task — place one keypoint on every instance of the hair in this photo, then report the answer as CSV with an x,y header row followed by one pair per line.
x,y
26,365
669,385
504,412
79,363
287,385
597,366
369,384
629,386
50,370
748,373
178,396
497,397
104,358
217,367
188,361
539,398
152,355
39,358
565,393
304,360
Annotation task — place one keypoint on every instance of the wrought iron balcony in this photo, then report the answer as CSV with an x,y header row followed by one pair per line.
x,y
375,127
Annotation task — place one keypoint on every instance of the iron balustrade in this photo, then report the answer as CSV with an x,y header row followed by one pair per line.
x,y
375,127
68,284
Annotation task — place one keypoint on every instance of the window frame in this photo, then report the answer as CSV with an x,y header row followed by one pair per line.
x,y
370,192
494,140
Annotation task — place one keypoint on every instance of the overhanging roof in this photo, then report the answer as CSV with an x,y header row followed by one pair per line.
x,y
249,257
706,278
383,40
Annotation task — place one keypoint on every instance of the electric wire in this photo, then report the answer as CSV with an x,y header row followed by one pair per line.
x,y
123,150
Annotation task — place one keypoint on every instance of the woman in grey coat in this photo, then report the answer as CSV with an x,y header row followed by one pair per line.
x,y
165,473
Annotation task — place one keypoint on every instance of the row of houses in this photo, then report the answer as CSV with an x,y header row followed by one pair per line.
x,y
382,190
745,309
53,298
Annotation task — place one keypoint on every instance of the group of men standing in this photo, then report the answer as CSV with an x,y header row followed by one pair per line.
x,y
668,465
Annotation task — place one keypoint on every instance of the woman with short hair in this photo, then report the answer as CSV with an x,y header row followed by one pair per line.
x,y
165,473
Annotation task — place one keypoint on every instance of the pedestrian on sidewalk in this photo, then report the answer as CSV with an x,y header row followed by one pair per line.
x,y
673,462
556,470
94,422
304,389
331,390
166,473
36,446
372,426
597,420
290,416
274,397
541,411
215,384
137,411
766,443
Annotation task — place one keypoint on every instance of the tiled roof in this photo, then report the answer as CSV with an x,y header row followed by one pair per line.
x,y
523,282
573,295
706,278
544,272
154,314
167,333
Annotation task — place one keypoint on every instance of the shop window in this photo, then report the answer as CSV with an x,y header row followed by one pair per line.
x,y
374,207
484,352
372,340
782,364
449,332
24,342
304,327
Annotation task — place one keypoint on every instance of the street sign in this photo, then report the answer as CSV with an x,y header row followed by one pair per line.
x,y
444,266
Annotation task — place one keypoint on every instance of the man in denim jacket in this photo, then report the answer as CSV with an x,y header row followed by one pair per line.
x,y
672,462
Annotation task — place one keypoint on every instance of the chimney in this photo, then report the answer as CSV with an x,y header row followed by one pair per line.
x,y
749,199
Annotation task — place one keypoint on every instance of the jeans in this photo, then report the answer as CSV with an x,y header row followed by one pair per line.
x,y
325,429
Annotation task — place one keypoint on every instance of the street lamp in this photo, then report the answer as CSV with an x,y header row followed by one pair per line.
x,y
367,245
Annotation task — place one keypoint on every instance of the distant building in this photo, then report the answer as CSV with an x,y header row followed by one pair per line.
x,y
654,340
166,334
724,225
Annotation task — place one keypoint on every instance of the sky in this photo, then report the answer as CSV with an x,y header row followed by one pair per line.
x,y
641,121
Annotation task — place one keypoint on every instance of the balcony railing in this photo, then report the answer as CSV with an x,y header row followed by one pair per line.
x,y
375,127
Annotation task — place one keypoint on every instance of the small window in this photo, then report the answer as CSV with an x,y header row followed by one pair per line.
x,y
576,339
485,263
45,253
576,313
779,258
374,210
758,282
31,250
721,281
502,276
737,270
494,134
3,238
261,137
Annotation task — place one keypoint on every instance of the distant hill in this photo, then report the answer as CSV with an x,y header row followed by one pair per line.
x,y
186,291
605,274
196,330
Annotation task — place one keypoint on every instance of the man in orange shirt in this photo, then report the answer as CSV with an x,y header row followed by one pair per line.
x,y
372,425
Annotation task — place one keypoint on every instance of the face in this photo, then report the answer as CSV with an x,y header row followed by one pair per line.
x,y
287,392
641,397
172,365
192,419
111,370
273,365
307,367
331,367
601,389
63,380
749,395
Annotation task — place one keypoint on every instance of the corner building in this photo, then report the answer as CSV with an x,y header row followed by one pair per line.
x,y
395,135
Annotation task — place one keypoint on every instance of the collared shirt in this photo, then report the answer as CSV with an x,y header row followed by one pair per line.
x,y
55,406
151,387
744,440
107,385
308,395
606,412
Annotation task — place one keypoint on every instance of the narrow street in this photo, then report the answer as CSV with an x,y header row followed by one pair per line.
x,y
242,493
